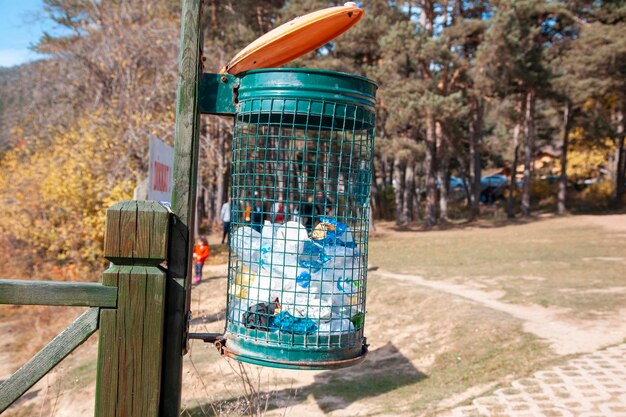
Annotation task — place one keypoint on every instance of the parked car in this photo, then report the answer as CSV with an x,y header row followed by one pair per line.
x,y
492,188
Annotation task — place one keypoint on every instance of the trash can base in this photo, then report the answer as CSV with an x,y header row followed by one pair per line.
x,y
233,350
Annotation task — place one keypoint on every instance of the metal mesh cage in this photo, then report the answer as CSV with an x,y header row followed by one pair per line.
x,y
300,187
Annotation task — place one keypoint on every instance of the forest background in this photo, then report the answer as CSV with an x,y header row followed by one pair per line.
x,y
528,89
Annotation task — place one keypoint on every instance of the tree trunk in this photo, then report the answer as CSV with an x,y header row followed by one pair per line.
x,y
398,189
281,165
442,174
416,192
198,219
221,173
518,130
444,192
513,183
476,133
528,151
430,165
620,174
409,189
383,171
333,163
563,180
374,208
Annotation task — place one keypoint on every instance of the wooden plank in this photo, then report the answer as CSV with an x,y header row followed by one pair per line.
x,y
139,237
109,277
186,142
152,223
111,233
145,223
108,354
48,357
153,341
82,294
160,233
108,349
135,336
186,146
125,375
128,230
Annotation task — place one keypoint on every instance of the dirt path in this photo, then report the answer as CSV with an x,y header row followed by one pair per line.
x,y
6,358
565,337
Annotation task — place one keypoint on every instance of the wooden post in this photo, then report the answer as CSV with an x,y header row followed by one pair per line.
x,y
186,148
131,335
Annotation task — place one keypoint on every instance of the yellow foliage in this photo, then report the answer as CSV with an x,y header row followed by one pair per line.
x,y
541,190
584,157
53,194
598,196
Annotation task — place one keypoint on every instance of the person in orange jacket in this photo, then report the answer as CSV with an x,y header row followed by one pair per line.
x,y
200,253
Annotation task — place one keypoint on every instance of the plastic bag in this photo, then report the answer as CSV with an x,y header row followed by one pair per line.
x,y
335,326
246,243
287,323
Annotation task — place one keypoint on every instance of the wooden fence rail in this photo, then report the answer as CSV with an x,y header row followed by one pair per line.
x,y
128,307
80,294
138,301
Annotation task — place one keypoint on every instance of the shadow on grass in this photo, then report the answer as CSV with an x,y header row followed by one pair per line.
x,y
494,217
481,223
28,395
384,370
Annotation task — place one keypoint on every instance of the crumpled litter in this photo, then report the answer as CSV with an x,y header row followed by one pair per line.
x,y
287,323
316,279
259,316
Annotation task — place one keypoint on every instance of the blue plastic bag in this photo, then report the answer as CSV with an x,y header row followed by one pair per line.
x,y
287,323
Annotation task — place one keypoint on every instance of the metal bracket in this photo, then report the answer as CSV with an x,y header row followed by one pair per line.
x,y
217,94
186,333
218,339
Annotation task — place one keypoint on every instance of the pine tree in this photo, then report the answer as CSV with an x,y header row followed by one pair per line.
x,y
595,67
514,58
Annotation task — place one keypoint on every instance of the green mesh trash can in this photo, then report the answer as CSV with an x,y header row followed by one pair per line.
x,y
299,193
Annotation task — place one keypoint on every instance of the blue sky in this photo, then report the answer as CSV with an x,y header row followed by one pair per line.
x,y
21,24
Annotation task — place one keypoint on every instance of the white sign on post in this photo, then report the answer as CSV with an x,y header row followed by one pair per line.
x,y
161,171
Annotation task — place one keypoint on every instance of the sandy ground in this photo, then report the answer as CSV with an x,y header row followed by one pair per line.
x,y
565,336
611,222
69,390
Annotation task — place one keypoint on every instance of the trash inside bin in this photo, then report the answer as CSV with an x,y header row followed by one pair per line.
x,y
301,159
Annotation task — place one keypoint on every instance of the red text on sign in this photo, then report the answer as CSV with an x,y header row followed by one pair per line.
x,y
161,177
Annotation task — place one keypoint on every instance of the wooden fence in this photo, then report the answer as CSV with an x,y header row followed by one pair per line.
x,y
138,301
128,307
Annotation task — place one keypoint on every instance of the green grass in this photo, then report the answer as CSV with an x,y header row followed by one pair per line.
x,y
469,345
425,347
82,373
553,262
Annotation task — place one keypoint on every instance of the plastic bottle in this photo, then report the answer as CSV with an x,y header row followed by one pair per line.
x,y
336,326
260,289
247,244
311,306
267,233
294,235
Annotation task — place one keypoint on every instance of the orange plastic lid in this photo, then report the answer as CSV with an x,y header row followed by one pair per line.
x,y
295,38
